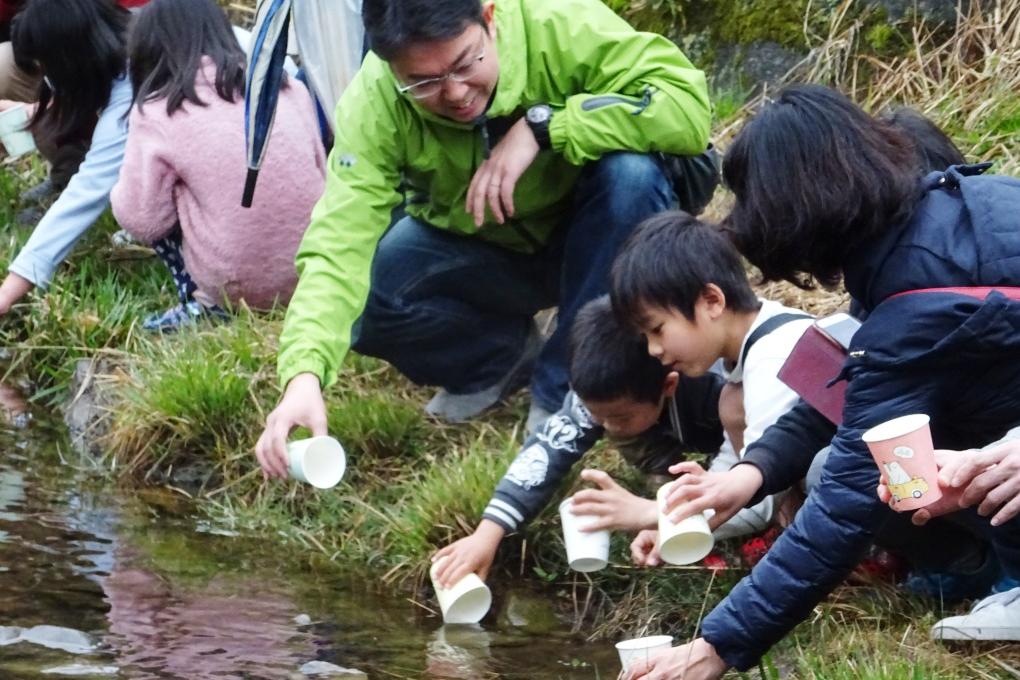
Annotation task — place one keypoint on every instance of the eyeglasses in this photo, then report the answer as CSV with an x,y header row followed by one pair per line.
x,y
424,89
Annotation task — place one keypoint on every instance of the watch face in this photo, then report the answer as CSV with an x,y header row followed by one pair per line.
x,y
538,114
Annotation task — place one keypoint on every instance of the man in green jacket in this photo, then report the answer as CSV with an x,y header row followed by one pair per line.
x,y
529,138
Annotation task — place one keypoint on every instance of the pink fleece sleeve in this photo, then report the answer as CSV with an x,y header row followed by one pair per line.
x,y
143,200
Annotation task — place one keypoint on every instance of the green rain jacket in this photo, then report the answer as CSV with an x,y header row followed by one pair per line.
x,y
611,88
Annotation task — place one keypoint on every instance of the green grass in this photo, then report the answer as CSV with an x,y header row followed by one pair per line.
x,y
188,409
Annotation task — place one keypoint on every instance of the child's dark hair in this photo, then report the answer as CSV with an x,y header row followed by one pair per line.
x,y
79,45
935,150
392,25
814,178
608,360
167,44
667,262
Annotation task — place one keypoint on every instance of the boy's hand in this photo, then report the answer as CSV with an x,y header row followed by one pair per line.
x,y
724,492
471,554
644,551
612,505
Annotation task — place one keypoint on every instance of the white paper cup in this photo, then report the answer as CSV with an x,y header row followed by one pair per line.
x,y
467,601
586,550
684,543
642,649
319,461
16,139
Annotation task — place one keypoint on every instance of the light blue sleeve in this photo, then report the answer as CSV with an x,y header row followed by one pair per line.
x,y
86,195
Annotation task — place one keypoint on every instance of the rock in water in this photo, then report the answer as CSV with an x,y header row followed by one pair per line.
x,y
326,669
9,635
303,620
82,669
55,637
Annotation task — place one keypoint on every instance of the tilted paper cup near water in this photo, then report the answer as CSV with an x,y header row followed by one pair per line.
x,y
903,450
467,601
15,138
586,550
686,542
319,461
642,649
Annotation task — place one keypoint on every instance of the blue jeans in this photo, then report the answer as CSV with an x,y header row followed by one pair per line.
x,y
455,311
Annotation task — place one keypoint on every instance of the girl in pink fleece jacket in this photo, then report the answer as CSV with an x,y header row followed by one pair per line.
x,y
184,166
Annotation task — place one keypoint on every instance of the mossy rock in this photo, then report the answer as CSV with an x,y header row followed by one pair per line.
x,y
744,43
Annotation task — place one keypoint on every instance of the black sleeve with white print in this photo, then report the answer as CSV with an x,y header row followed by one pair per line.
x,y
542,463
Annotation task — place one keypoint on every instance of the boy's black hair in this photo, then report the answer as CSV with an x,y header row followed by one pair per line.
x,y
667,262
392,25
608,360
167,44
814,178
79,45
935,150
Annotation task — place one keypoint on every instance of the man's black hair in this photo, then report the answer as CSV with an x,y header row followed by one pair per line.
x,y
935,150
167,44
392,25
608,360
814,178
668,261
79,45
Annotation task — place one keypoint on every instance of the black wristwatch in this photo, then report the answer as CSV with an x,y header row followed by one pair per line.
x,y
538,117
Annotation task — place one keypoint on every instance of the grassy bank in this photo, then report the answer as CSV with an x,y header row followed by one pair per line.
x,y
188,408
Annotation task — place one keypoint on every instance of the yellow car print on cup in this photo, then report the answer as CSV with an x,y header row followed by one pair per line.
x,y
915,488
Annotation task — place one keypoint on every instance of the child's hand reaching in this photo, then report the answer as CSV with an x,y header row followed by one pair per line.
x,y
644,551
471,554
724,492
612,506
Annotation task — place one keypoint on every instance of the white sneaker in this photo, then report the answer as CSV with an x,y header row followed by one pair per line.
x,y
997,617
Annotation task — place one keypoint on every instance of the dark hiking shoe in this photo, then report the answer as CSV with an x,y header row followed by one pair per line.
x,y
182,316
40,193
458,408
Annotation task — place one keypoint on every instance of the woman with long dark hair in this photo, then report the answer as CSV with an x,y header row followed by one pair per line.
x,y
826,193
184,165
78,47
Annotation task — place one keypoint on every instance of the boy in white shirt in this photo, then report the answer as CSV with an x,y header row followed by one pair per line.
x,y
682,284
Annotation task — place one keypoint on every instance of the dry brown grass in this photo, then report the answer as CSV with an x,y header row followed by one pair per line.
x,y
968,82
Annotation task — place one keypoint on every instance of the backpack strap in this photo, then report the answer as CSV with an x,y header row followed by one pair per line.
x,y
980,292
768,326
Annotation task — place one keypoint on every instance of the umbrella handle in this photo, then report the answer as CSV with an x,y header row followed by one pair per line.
x,y
249,187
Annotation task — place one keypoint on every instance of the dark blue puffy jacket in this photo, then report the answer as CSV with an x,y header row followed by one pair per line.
x,y
953,357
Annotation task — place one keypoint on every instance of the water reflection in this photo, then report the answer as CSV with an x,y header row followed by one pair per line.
x,y
168,595
228,628
14,406
460,651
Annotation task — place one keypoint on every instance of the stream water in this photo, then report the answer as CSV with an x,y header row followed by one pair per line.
x,y
145,590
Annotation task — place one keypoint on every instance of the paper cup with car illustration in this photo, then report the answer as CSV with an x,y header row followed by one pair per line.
x,y
903,450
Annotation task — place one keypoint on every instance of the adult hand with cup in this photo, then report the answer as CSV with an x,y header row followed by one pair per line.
x,y
988,478
694,661
301,405
472,554
697,490
613,506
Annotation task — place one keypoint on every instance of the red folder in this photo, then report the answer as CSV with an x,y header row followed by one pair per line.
x,y
815,361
